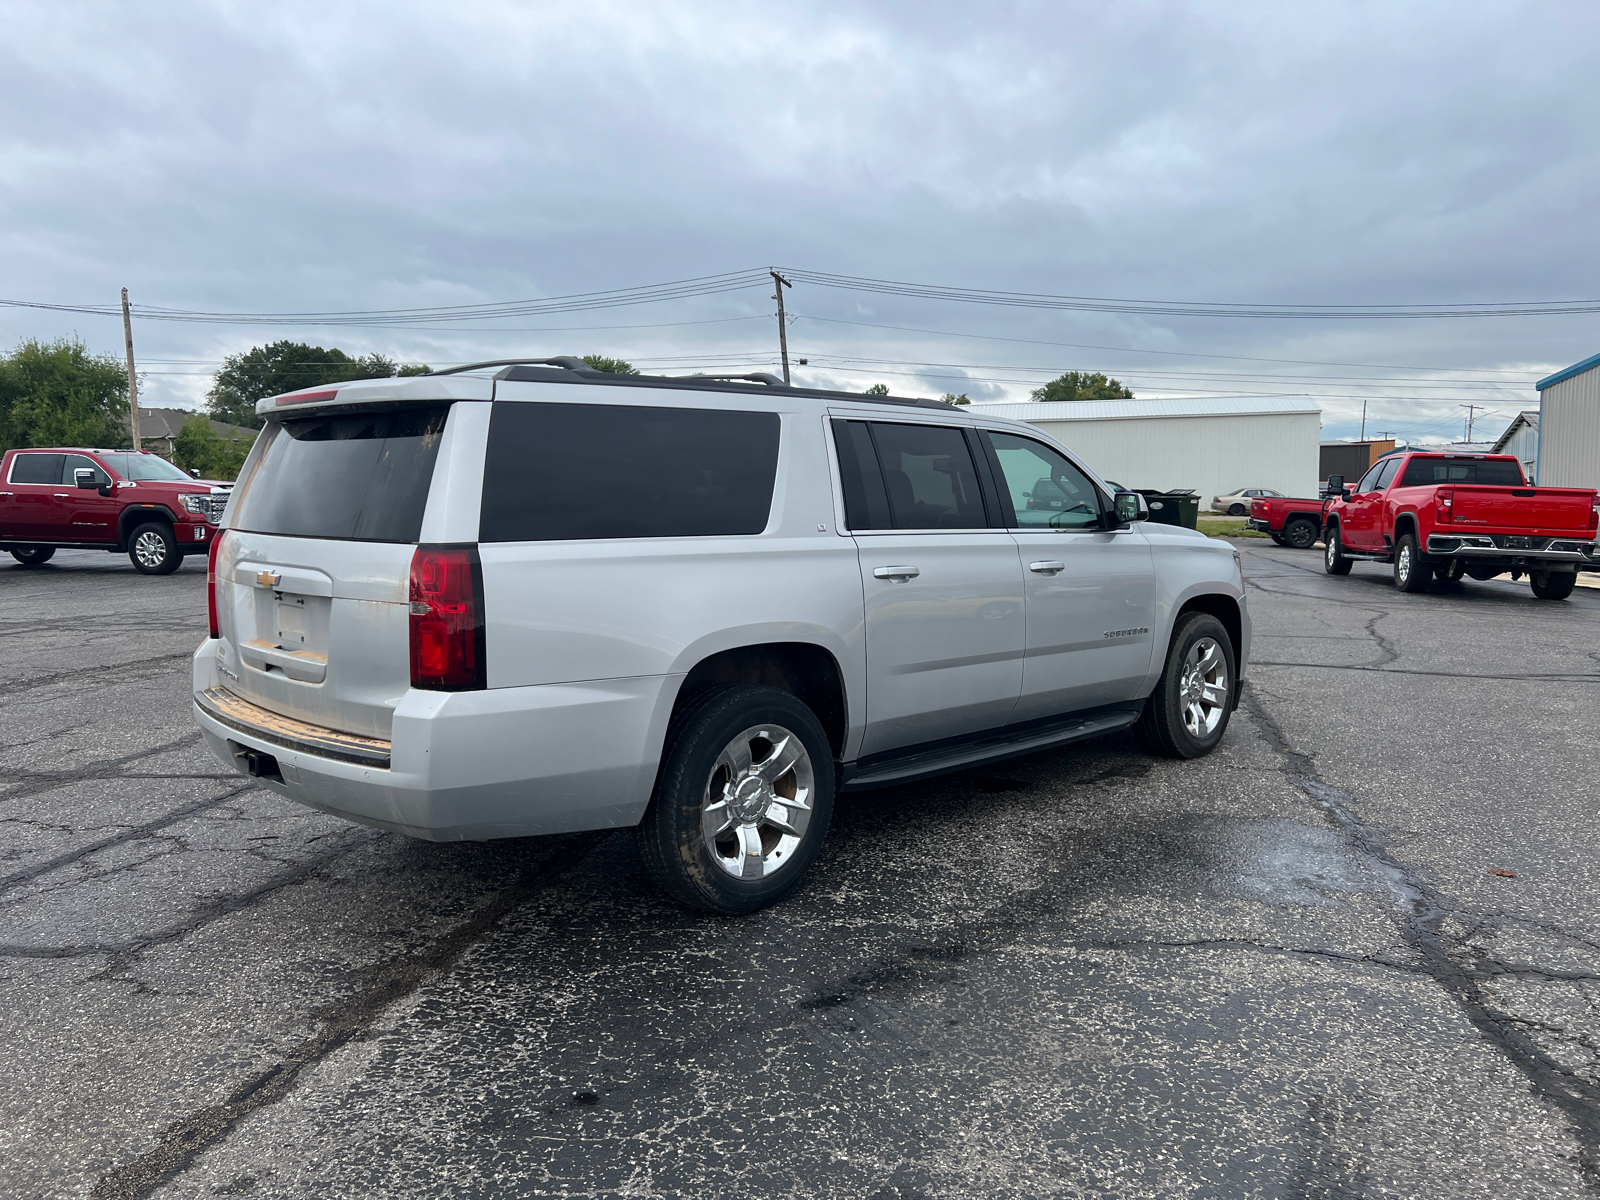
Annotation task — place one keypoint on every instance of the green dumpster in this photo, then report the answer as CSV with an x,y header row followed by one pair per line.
x,y
1181,507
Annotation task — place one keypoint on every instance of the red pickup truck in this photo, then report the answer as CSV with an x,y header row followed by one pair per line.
x,y
1447,515
116,500
1288,521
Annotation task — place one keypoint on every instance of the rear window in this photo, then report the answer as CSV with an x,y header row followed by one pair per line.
x,y
560,472
1424,472
360,477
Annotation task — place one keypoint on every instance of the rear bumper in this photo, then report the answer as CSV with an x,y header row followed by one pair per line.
x,y
1502,549
1258,524
506,762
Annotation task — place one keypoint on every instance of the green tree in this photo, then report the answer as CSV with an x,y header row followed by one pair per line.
x,y
198,447
952,398
411,369
877,389
611,366
58,394
1081,385
284,366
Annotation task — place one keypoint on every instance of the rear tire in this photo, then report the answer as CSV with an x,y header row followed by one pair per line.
x,y
724,833
153,549
1301,534
1449,572
1412,572
1553,585
1333,560
34,556
1236,510
1187,714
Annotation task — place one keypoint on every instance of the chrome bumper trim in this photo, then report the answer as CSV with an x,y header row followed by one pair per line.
x,y
1471,545
223,707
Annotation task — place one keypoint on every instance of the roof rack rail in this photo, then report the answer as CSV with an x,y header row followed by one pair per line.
x,y
765,377
561,360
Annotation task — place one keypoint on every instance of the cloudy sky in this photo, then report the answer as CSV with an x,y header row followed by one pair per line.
x,y
330,158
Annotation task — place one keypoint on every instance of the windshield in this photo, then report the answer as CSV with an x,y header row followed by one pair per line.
x,y
144,467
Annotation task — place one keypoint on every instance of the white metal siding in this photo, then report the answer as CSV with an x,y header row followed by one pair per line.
x,y
1569,432
1524,443
1211,454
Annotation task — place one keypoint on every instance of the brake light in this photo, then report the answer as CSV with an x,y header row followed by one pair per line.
x,y
1594,517
211,582
1443,514
447,619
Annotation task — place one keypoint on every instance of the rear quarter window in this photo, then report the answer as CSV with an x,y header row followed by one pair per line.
x,y
1424,472
349,476
562,472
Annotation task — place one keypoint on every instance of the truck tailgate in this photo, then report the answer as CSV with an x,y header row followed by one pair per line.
x,y
1533,510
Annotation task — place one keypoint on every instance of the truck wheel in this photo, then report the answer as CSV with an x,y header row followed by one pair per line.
x,y
1412,573
1302,534
1333,561
1277,538
1553,585
742,804
34,556
1449,572
1236,510
1187,714
153,550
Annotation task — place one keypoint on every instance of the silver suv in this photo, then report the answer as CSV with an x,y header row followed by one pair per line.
x,y
463,607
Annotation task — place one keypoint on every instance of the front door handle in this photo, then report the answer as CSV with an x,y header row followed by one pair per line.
x,y
898,574
1047,568
59,495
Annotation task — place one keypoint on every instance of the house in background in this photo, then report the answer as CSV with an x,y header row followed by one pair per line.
x,y
1569,426
159,428
1522,439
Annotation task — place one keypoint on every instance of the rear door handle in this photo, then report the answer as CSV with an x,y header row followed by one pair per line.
x,y
59,495
1047,568
899,574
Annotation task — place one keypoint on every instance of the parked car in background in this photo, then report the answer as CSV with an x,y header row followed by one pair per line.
x,y
1448,515
117,500
463,607
1287,520
1237,503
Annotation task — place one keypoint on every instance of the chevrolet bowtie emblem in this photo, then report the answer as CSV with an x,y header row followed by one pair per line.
x,y
267,579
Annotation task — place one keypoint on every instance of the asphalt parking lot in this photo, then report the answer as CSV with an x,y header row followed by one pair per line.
x,y
1288,970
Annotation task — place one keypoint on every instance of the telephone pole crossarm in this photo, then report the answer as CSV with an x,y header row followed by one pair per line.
x,y
778,284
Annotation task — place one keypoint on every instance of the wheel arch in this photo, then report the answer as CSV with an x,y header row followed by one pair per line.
x,y
132,518
807,670
1405,523
1224,608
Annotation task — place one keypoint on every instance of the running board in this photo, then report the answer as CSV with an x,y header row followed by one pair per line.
x,y
920,762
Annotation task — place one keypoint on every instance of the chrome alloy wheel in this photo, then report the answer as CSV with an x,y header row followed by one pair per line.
x,y
758,801
1403,564
150,549
1203,691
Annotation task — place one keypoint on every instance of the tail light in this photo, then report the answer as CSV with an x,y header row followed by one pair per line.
x,y
447,619
1443,515
211,581
1594,518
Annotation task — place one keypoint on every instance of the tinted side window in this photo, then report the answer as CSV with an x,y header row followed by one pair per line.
x,y
76,462
1046,490
1386,475
866,504
1369,481
929,476
36,468
352,476
559,472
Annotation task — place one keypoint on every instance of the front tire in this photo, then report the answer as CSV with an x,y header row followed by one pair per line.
x,y
1302,535
1277,539
153,549
34,556
1333,560
1553,585
742,805
1187,714
1412,573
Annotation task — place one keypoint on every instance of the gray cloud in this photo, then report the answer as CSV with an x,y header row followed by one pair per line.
x,y
304,157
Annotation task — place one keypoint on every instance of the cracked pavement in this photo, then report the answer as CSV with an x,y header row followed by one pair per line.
x,y
1282,971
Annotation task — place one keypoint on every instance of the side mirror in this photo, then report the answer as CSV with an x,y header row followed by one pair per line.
x,y
1130,507
84,477
1335,484
195,472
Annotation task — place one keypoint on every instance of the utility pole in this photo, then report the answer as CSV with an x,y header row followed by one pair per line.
x,y
779,283
1471,408
1363,420
133,380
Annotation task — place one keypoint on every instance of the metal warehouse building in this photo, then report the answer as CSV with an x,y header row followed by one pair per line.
x,y
1569,426
1213,444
